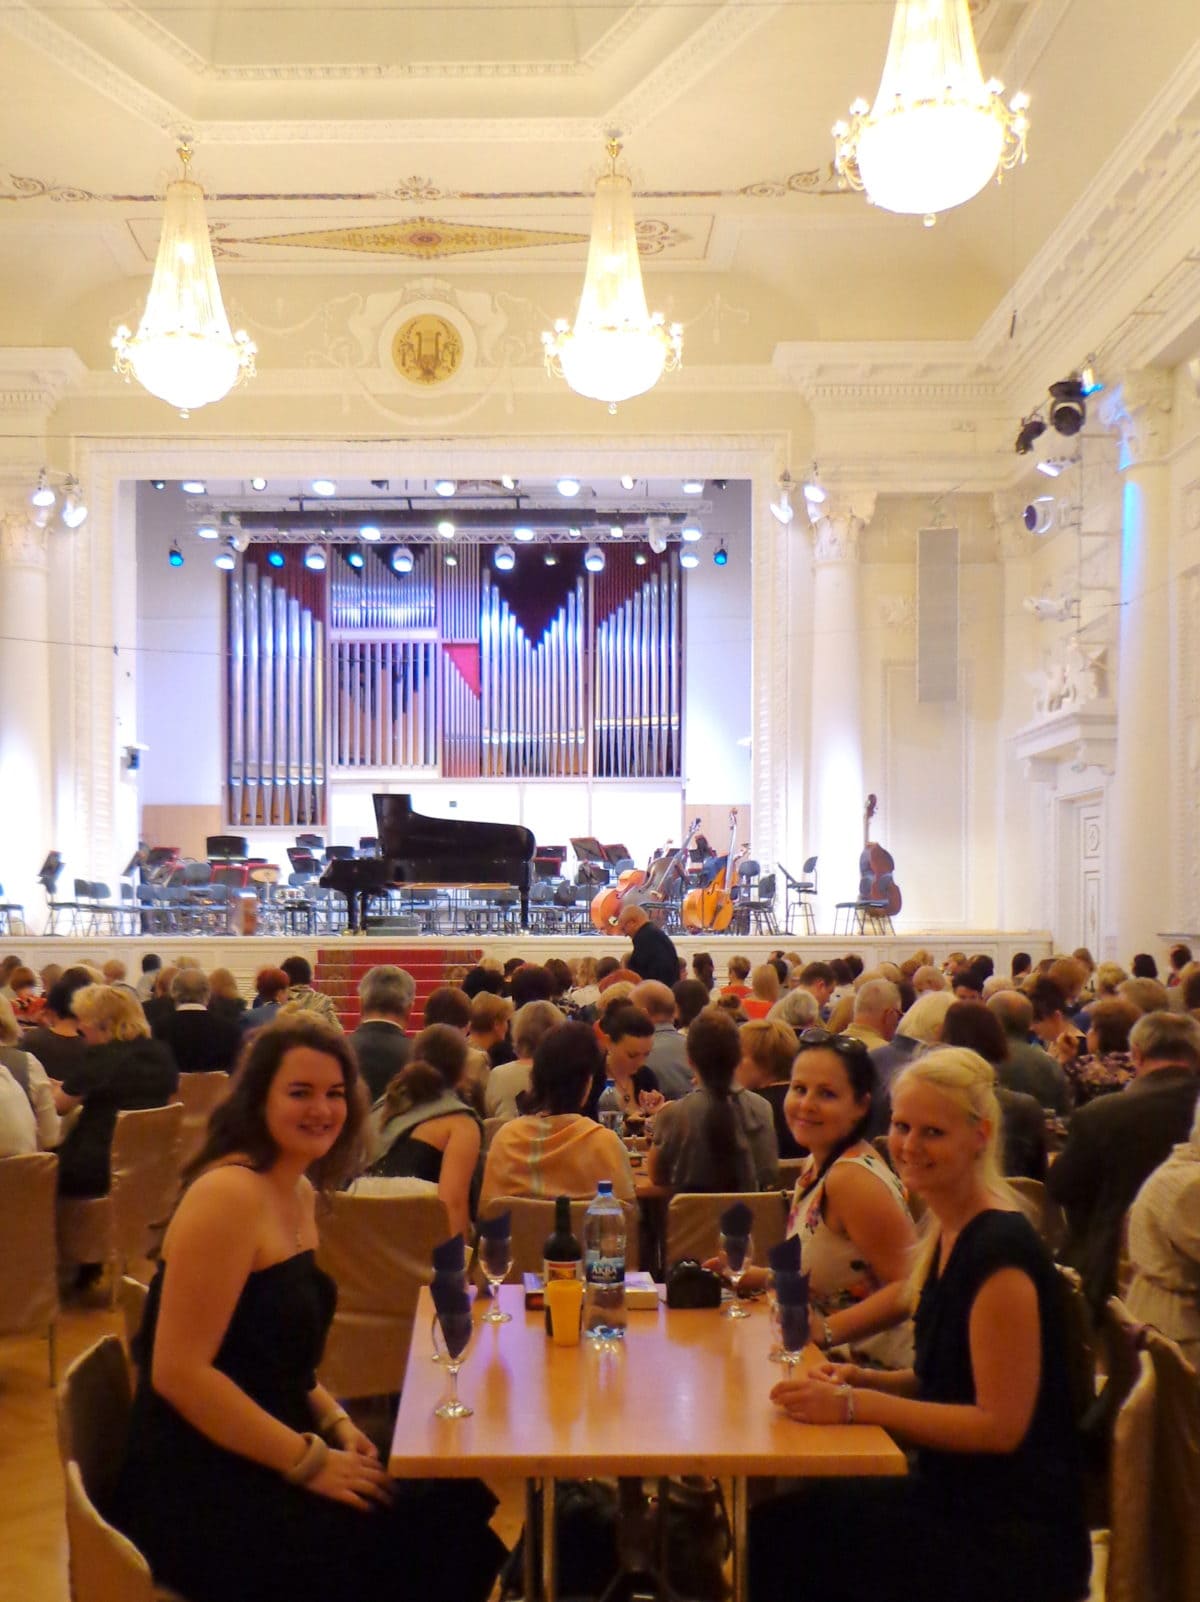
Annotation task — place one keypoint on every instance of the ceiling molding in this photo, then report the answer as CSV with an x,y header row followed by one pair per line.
x,y
33,379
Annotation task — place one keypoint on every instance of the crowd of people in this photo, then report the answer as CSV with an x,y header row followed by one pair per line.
x,y
911,1090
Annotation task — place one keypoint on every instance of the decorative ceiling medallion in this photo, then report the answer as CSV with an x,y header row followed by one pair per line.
x,y
426,238
427,349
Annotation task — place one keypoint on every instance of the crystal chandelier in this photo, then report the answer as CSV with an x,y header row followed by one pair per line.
x,y
936,133
183,351
616,349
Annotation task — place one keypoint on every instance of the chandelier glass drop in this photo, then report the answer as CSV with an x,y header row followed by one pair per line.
x,y
937,132
184,351
616,348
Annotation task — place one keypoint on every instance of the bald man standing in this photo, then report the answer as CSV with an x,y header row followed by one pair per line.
x,y
653,955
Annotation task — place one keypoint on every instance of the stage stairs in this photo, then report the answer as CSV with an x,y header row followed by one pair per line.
x,y
338,970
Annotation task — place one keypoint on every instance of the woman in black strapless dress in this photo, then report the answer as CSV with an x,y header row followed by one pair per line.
x,y
243,1481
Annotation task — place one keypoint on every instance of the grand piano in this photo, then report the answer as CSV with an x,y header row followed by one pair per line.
x,y
415,850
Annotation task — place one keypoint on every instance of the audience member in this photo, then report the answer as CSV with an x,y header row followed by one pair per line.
x,y
738,970
26,1073
1144,966
1106,1065
765,991
1164,1247
668,1059
530,982
488,1029
508,1083
969,982
1028,1068
424,1130
627,1036
768,1047
160,1006
225,1486
225,1000
585,992
199,1040
553,1149
704,970
1178,958
653,955
382,1045
301,993
448,1005
927,977
722,1137
1146,994
476,981
876,1013
8,966
1021,964
1022,1122
56,1041
114,972
121,1069
1115,1142
797,1008
1058,1035
270,987
818,978
151,963
691,998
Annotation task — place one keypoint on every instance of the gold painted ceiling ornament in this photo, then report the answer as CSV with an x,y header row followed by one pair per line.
x,y
427,349
426,238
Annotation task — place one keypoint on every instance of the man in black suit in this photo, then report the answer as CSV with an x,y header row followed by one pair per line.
x,y
200,1041
1115,1142
653,955
385,998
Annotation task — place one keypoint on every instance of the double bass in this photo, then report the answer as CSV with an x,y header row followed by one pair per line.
x,y
634,883
711,908
877,868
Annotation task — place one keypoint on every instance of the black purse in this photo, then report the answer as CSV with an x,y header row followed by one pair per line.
x,y
689,1284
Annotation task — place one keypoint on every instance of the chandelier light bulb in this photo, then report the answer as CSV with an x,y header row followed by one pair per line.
x,y
450,559
617,348
184,351
355,558
693,486
593,559
640,558
258,484
616,531
507,481
814,491
505,559
275,559
937,132
626,481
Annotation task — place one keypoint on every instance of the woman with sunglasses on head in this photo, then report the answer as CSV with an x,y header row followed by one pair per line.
x,y
856,1235
993,1509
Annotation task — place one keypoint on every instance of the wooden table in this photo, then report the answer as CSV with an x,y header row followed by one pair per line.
x,y
688,1395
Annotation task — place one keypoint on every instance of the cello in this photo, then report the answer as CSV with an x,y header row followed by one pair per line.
x,y
607,903
877,868
711,908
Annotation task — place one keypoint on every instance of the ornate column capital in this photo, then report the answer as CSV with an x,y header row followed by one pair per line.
x,y
838,524
22,542
1139,408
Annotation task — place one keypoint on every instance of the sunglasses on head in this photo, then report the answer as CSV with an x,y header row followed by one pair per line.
x,y
814,1038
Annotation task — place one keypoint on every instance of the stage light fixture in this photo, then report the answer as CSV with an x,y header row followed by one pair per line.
x,y
258,484
226,558
158,483
175,555
1068,410
507,481
781,508
721,556
450,559
402,559
193,486
1088,377
504,559
616,531
568,487
43,495
550,557
74,508
656,539
445,486
323,486
689,558
691,531
640,558
1054,466
627,481
275,559
371,532
593,559
693,486
314,559
1039,515
207,529
814,491
523,533
1031,430
446,529
574,532
354,557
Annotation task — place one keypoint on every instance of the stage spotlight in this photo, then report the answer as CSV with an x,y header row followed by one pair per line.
x,y
1031,430
175,555
691,531
1039,515
192,486
782,509
693,486
1054,466
507,481
550,557
593,559
617,531
226,558
275,559
574,532
353,557
259,484
814,491
208,530
656,539
314,558
446,529
523,533
721,556
689,558
158,483
74,507
626,481
1090,380
568,487
445,486
323,486
43,495
640,558
504,559
402,559
450,559
1068,410
370,532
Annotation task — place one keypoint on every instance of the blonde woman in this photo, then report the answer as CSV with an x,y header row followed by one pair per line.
x,y
122,1068
994,1507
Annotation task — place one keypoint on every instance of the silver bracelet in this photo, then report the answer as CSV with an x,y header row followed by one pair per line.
x,y
310,1463
826,1341
848,1392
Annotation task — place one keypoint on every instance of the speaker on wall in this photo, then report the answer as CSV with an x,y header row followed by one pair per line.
x,y
937,614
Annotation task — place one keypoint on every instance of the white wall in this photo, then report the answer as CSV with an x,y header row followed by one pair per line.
x,y
716,744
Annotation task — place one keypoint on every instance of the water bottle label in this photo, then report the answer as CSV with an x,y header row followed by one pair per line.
x,y
612,1120
605,1270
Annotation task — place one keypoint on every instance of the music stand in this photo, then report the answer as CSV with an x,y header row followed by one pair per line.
x,y
797,891
593,868
616,853
227,848
49,872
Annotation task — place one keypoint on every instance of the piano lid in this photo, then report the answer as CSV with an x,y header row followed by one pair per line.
x,y
454,847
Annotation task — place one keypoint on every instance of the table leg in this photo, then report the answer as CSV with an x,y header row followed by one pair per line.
x,y
739,1537
549,1542
529,1553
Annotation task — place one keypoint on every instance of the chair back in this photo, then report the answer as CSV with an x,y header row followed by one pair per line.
x,y
694,1222
490,1126
1043,1211
198,1094
379,1251
131,1299
29,1283
145,1176
1175,1500
766,887
533,1224
810,867
1077,1334
104,1565
94,1400
1131,1567
790,1169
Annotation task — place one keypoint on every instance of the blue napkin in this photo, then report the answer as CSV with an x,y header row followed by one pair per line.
x,y
791,1288
785,1258
450,1257
453,1307
736,1220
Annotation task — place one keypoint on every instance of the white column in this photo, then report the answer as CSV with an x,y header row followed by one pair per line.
x,y
836,796
26,793
1140,409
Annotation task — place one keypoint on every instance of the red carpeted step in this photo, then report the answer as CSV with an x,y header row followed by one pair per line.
x,y
338,972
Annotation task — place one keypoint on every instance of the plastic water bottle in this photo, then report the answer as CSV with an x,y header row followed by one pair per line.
x,y
612,1114
604,1267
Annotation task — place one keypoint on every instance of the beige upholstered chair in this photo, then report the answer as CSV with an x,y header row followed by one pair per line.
x,y
1175,1502
378,1249
131,1299
118,1228
29,1278
533,1224
198,1094
790,1169
1077,1330
694,1223
1131,1568
490,1126
1043,1211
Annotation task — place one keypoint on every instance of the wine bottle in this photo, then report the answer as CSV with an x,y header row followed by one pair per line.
x,y
562,1255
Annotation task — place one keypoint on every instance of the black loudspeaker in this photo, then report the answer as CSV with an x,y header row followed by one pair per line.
x,y
227,848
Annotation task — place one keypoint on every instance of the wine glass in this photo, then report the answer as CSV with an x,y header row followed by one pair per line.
x,y
793,1332
495,1258
452,1334
737,1253
775,1355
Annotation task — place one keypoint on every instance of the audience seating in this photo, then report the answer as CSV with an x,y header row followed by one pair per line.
x,y
131,1298
790,1169
379,1251
198,1094
533,1223
10,911
1131,1568
694,1223
118,1228
29,1281
1045,1214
